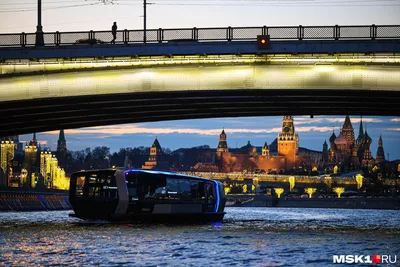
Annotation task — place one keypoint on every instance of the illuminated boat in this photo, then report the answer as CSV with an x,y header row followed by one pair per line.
x,y
143,195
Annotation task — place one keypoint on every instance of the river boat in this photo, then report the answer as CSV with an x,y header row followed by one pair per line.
x,y
145,196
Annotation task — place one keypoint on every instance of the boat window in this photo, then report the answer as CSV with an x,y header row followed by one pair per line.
x,y
210,193
80,182
165,187
101,185
182,189
197,190
145,186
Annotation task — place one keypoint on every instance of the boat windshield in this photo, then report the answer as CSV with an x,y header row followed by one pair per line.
x,y
160,186
99,184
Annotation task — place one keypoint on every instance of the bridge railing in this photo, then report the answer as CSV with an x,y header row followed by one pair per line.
x,y
206,34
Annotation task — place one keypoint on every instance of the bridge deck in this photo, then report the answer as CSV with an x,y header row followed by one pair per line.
x,y
202,48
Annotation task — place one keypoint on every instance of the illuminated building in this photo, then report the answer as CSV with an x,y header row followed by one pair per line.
x,y
53,171
31,161
248,158
288,142
7,155
54,176
265,151
155,159
31,155
15,139
222,145
347,151
45,167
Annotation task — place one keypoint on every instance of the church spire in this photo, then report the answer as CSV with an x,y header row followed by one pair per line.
x,y
361,131
348,131
34,141
61,149
61,137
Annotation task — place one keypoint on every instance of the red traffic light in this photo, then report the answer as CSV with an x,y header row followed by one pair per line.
x,y
263,41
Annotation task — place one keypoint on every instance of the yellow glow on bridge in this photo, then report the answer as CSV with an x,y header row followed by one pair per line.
x,y
73,82
48,65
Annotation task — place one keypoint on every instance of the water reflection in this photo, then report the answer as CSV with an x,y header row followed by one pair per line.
x,y
248,236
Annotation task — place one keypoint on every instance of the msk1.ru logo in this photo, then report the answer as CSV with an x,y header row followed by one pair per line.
x,y
365,259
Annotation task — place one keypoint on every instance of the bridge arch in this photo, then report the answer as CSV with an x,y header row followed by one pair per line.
x,y
33,102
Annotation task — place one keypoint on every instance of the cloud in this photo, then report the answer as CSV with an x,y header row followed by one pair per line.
x,y
313,129
395,120
393,129
354,120
308,120
303,120
107,131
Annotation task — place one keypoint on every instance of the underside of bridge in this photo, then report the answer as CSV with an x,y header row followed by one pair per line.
x,y
36,97
38,115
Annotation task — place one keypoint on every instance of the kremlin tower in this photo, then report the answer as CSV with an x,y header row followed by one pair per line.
x,y
380,154
222,145
288,142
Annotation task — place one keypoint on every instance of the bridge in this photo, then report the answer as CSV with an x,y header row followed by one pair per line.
x,y
196,73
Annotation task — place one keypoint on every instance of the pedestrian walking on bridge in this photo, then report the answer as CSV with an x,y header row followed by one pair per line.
x,y
114,32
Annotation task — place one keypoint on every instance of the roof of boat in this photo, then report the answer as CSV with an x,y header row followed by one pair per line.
x,y
149,171
169,173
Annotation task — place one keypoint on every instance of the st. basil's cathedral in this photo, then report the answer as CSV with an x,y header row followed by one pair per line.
x,y
353,153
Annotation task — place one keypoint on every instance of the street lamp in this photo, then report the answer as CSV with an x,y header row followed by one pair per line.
x,y
145,20
39,41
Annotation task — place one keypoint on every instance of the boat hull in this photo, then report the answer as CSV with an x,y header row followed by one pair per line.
x,y
174,218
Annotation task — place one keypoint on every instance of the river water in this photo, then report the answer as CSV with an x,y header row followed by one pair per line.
x,y
247,237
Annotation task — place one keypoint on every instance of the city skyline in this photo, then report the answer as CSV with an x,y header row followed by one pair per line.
x,y
190,133
21,17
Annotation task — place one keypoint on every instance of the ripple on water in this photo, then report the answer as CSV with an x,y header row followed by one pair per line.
x,y
248,236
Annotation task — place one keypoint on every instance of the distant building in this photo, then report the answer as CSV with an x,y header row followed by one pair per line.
x,y
31,152
7,153
18,145
222,145
61,152
156,157
380,153
325,154
249,158
46,159
346,151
